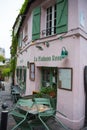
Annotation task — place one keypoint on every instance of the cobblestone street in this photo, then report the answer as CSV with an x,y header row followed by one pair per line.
x,y
5,97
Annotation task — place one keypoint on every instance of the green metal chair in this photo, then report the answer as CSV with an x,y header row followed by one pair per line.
x,y
20,116
43,116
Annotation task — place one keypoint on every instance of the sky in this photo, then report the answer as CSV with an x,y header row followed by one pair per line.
x,y
9,10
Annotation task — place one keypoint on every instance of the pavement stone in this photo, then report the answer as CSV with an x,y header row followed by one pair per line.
x,y
5,97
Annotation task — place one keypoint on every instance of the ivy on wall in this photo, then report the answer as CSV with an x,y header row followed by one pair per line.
x,y
13,53
24,6
14,45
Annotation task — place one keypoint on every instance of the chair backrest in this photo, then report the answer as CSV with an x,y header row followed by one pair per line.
x,y
44,107
27,97
25,102
42,101
22,105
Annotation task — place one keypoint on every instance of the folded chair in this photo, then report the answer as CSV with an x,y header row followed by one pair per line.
x,y
20,116
45,115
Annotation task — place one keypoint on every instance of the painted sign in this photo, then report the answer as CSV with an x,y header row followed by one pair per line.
x,y
47,58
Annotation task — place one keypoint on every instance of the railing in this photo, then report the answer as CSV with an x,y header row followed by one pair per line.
x,y
49,31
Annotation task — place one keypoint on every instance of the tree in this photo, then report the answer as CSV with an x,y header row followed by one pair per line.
x,y
2,59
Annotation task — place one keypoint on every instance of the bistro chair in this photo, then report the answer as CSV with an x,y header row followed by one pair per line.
x,y
47,114
20,116
15,93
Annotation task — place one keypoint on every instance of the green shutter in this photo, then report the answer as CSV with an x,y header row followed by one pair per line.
x,y
62,16
36,23
25,75
20,73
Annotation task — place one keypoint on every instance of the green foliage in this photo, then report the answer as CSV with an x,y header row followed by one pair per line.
x,y
6,72
15,40
24,6
2,58
39,94
13,52
47,90
14,45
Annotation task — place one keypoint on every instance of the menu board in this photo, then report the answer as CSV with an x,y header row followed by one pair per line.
x,y
65,78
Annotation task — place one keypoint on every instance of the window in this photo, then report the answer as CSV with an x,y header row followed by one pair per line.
x,y
51,20
49,77
20,39
21,74
32,71
65,78
26,29
25,37
55,18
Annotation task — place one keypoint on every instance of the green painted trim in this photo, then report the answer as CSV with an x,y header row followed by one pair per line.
x,y
62,16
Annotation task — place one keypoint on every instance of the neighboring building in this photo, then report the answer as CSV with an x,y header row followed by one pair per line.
x,y
52,49
2,52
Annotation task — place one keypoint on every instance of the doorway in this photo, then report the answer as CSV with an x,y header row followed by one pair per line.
x,y
49,82
49,76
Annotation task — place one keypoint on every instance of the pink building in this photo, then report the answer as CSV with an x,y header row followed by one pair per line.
x,y
52,51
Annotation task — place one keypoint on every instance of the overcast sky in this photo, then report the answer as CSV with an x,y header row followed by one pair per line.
x,y
9,10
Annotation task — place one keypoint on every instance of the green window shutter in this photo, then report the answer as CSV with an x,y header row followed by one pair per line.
x,y
36,23
25,75
62,16
20,74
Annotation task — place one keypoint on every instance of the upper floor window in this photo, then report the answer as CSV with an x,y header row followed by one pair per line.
x,y
51,20
20,40
25,33
26,29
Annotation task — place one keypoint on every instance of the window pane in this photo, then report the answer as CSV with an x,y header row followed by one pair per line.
x,y
65,82
51,20
50,9
32,71
51,16
46,77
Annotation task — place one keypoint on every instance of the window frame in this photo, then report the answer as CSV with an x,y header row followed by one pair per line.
x,y
61,77
51,20
48,76
20,42
32,71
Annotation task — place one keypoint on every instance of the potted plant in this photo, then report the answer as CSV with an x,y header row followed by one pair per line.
x,y
48,90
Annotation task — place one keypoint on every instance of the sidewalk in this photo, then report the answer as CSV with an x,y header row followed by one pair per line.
x,y
5,97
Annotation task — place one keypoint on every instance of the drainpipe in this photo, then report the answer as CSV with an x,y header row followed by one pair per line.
x,y
85,88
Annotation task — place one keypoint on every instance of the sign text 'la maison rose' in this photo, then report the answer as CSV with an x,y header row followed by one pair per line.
x,y
47,58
